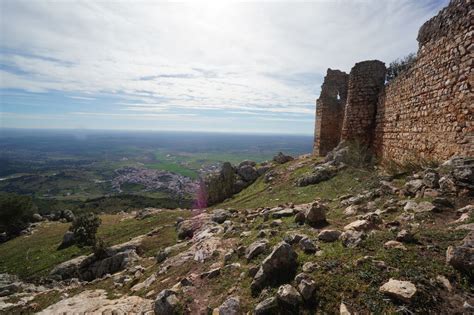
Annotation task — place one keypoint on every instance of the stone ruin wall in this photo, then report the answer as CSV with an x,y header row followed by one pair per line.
x,y
366,80
330,111
427,111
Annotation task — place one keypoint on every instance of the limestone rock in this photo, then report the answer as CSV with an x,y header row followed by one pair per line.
x,y
255,249
413,186
307,288
267,307
316,215
395,245
231,306
248,173
287,212
352,238
400,290
219,216
289,295
329,235
166,303
308,246
405,236
462,257
281,158
278,265
359,225
68,240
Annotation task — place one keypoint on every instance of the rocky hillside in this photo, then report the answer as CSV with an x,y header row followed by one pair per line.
x,y
308,236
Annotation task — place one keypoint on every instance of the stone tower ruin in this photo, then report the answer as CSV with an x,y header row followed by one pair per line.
x,y
427,111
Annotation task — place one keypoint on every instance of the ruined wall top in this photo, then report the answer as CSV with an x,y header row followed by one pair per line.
x,y
447,22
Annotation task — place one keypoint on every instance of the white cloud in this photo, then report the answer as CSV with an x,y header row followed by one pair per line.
x,y
218,55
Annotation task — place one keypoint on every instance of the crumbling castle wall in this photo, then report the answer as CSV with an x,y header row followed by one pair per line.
x,y
427,111
366,80
330,111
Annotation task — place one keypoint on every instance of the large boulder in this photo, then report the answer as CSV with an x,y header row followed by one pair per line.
x,y
276,267
248,173
167,303
316,214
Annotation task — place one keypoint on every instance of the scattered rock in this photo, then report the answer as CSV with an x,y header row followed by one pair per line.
x,y
394,245
316,215
359,225
68,240
462,257
255,249
231,306
319,175
281,158
289,295
288,212
425,206
308,246
309,267
329,235
352,238
219,216
307,288
400,290
343,310
267,307
413,186
276,267
300,217
405,236
166,303
161,256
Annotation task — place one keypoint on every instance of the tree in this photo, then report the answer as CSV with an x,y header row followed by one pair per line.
x,y
85,228
16,212
398,66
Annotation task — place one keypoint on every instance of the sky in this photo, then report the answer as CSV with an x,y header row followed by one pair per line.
x,y
224,66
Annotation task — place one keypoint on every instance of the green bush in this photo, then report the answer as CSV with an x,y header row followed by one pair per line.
x,y
15,213
398,66
85,228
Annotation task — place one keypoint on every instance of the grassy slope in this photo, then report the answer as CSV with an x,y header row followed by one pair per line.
x,y
283,189
35,255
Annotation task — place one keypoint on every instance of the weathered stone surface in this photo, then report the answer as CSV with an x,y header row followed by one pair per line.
x,y
394,245
307,288
405,236
255,249
96,302
352,238
330,111
308,246
267,307
219,215
316,215
462,257
287,212
329,235
281,158
289,295
359,225
166,303
248,173
276,267
400,290
320,174
231,306
68,240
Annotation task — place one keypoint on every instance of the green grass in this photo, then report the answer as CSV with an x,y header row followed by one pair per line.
x,y
283,188
34,256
